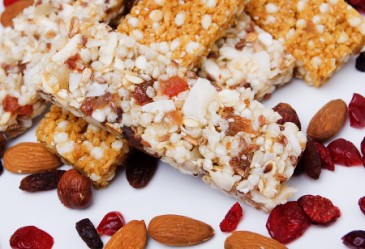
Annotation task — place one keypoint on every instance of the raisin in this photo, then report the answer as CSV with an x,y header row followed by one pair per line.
x,y
3,143
88,233
319,210
140,94
140,169
1,168
41,181
232,218
360,61
354,239
111,223
325,155
311,160
288,114
287,222
362,204
173,86
357,4
356,111
31,237
344,152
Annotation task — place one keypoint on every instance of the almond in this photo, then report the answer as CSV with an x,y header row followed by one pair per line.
x,y
328,121
245,239
177,230
13,10
29,158
132,236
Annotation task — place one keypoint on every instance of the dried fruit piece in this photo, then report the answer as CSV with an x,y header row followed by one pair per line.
x,y
319,210
10,104
177,230
1,168
360,60
74,190
287,222
325,155
140,169
111,223
328,121
232,218
13,10
238,124
362,204
311,160
133,235
354,239
31,237
173,86
88,234
357,111
288,114
9,2
344,152
140,93
41,181
246,239
3,142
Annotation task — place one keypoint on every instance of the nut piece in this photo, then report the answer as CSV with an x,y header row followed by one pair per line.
x,y
288,114
328,121
246,239
29,158
13,10
74,190
177,230
132,236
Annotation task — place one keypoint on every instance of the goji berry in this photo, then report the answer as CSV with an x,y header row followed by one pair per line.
x,y
344,152
319,210
357,111
111,223
325,155
362,204
31,237
287,222
354,239
232,218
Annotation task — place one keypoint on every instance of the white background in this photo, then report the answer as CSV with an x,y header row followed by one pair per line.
x,y
175,193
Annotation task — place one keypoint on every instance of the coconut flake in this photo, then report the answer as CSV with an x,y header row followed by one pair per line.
x,y
163,106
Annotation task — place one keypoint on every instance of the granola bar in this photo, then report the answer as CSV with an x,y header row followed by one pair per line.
x,y
22,46
167,111
181,30
248,56
321,34
94,152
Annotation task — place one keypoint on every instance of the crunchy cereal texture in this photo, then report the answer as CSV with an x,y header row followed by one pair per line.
x,y
321,34
93,151
181,30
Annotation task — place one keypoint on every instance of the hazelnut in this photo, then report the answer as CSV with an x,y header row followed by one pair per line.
x,y
74,190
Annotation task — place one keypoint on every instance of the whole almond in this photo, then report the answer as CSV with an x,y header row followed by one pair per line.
x,y
177,230
29,158
245,239
328,121
13,10
132,235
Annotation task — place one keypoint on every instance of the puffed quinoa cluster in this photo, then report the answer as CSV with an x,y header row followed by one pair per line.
x,y
226,136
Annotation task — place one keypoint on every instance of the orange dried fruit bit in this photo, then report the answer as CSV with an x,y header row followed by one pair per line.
x,y
173,86
238,124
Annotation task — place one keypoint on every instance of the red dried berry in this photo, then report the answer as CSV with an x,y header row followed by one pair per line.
x,y
9,2
355,239
357,4
31,237
344,152
319,210
356,111
287,222
232,218
362,204
111,223
325,155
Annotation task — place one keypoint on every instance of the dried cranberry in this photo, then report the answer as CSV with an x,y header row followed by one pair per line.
x,y
355,239
31,237
325,155
88,233
287,222
9,2
232,218
344,152
357,111
310,160
41,181
360,61
362,204
319,210
111,223
357,4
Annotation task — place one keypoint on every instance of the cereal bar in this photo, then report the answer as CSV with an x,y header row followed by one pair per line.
x,y
321,34
248,56
22,47
181,30
163,109
94,152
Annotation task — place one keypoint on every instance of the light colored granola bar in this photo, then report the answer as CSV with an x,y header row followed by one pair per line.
x,y
95,152
22,46
163,109
321,34
248,56
181,30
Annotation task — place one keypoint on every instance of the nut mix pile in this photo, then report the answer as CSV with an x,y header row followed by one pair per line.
x,y
114,94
